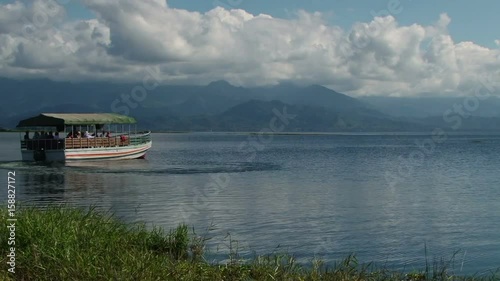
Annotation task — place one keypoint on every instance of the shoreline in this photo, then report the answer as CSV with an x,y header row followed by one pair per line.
x,y
61,243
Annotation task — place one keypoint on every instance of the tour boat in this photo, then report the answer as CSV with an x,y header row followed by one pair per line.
x,y
81,136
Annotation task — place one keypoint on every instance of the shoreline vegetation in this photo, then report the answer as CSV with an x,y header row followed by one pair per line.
x,y
67,243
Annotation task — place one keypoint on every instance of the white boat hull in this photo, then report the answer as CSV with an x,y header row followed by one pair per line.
x,y
88,154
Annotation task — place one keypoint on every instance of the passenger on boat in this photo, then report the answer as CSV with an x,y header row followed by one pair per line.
x,y
108,134
79,134
43,135
29,144
69,135
36,136
87,135
56,135
50,135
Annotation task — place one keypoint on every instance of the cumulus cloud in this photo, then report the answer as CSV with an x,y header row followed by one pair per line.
x,y
376,57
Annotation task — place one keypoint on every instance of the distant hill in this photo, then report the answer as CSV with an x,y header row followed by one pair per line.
x,y
255,115
472,123
424,107
221,106
315,95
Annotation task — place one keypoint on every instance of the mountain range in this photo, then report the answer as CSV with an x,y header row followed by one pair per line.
x,y
221,106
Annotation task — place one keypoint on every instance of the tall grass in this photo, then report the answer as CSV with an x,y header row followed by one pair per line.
x,y
61,243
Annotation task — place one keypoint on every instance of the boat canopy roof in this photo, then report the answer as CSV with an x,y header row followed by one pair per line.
x,y
61,119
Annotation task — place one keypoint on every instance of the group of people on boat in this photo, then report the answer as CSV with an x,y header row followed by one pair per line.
x,y
74,134
78,135
42,135
49,140
43,140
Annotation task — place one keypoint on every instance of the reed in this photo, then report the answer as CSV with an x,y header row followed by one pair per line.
x,y
65,243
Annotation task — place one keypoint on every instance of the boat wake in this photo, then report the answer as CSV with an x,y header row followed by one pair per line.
x,y
137,167
184,169
29,166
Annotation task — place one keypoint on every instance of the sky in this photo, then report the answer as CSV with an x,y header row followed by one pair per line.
x,y
466,25
378,47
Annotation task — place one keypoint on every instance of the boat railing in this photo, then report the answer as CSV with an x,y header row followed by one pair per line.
x,y
140,138
77,143
95,142
42,144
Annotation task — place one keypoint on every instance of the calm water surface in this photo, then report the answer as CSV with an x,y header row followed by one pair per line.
x,y
320,196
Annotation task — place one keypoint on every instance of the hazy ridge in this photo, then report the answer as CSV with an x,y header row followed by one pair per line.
x,y
220,106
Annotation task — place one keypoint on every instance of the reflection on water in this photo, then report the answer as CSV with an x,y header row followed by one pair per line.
x,y
324,195
44,187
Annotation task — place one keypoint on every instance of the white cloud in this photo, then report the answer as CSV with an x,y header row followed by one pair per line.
x,y
376,57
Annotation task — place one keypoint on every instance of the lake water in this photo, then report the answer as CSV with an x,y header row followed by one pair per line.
x,y
320,196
